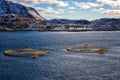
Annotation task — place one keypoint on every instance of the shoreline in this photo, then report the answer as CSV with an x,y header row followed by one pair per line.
x,y
54,31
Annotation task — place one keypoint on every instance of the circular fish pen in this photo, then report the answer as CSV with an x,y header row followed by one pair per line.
x,y
34,53
88,49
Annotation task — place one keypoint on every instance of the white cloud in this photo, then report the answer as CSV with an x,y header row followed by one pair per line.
x,y
49,10
113,3
112,12
71,8
52,16
61,10
58,3
98,10
87,5
71,11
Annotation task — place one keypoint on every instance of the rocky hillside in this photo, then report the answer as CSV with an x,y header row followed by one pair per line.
x,y
14,16
17,22
104,24
8,7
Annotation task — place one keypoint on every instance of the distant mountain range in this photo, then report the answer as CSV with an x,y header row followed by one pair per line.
x,y
14,16
104,24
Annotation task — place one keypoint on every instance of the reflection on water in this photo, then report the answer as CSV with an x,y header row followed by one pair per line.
x,y
60,64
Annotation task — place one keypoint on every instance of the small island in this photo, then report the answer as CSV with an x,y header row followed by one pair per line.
x,y
33,53
88,49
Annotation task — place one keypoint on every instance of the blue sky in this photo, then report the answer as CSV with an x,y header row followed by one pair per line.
x,y
75,9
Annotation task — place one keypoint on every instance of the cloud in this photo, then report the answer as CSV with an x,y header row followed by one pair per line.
x,y
87,5
113,3
71,8
71,11
112,12
54,16
49,10
98,10
58,3
61,11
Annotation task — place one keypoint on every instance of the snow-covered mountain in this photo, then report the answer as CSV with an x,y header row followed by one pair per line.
x,y
17,22
8,7
106,24
103,24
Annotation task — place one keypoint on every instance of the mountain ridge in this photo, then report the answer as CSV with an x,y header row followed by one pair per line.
x,y
103,24
14,16
9,7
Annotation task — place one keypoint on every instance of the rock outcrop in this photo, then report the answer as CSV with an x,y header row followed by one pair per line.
x,y
14,16
8,7
10,22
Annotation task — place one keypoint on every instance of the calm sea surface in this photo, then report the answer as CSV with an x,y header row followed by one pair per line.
x,y
60,64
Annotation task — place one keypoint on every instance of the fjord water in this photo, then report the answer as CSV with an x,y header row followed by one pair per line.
x,y
60,64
